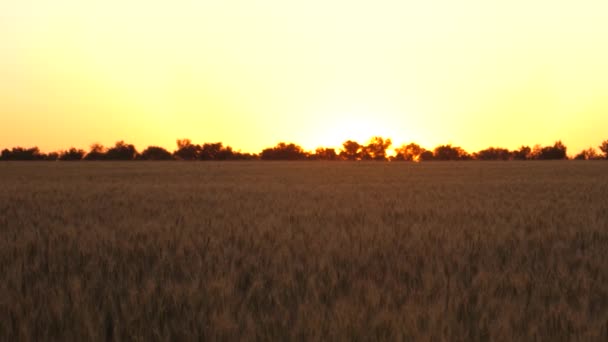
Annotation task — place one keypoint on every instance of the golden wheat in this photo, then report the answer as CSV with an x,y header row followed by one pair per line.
x,y
304,251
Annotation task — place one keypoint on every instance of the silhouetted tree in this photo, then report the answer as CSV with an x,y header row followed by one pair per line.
x,y
524,153
284,151
426,156
322,153
225,153
121,151
209,151
376,149
351,150
557,151
20,153
588,154
72,154
186,150
604,148
449,152
493,153
237,155
536,152
409,152
215,151
97,152
155,153
51,156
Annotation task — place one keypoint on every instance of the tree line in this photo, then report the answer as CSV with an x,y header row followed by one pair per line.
x,y
376,149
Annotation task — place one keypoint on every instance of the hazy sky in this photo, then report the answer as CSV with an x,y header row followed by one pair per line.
x,y
249,73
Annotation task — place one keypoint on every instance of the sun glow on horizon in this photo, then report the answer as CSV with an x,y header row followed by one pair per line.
x,y
250,74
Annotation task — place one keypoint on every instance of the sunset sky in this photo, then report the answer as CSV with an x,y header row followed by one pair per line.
x,y
474,73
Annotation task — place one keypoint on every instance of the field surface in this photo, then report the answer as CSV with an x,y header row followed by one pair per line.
x,y
462,251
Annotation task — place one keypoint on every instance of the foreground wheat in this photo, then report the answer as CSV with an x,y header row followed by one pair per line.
x,y
304,251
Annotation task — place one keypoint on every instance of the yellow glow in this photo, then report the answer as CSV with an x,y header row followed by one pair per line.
x,y
252,73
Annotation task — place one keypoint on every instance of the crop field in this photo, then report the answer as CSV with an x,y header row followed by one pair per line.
x,y
454,251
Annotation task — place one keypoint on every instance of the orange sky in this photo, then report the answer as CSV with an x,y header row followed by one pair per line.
x,y
252,73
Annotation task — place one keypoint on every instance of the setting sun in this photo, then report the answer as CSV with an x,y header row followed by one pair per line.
x,y
354,125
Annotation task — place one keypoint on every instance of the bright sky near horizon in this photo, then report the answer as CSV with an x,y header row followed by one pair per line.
x,y
474,73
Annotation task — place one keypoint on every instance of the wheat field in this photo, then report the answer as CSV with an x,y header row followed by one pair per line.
x,y
175,251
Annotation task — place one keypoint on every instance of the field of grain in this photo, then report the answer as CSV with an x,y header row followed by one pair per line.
x,y
461,251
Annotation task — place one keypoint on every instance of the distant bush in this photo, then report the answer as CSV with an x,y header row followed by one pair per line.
x,y
72,154
155,153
